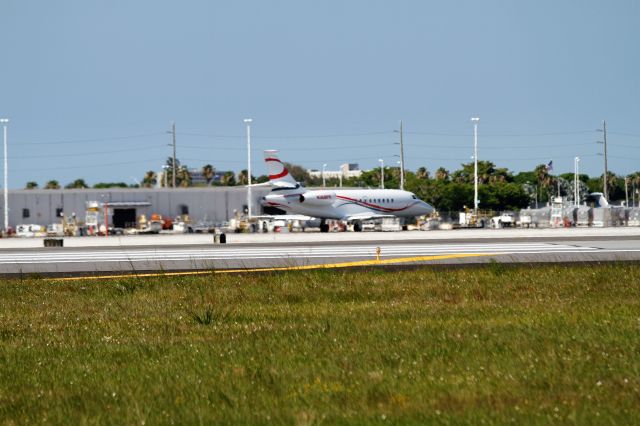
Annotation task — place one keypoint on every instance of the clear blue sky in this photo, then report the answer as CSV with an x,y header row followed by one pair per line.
x,y
92,86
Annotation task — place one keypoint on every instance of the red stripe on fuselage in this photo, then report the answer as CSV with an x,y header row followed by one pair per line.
x,y
364,203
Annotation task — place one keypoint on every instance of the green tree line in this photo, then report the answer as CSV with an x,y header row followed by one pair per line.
x,y
499,188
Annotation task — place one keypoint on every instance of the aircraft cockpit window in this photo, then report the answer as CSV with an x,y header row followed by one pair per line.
x,y
414,197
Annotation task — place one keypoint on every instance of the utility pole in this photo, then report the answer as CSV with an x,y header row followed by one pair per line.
x,y
173,133
401,155
606,168
401,159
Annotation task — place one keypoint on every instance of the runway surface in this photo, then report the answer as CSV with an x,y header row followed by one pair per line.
x,y
249,256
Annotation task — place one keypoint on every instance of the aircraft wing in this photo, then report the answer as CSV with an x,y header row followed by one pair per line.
x,y
277,184
366,216
284,217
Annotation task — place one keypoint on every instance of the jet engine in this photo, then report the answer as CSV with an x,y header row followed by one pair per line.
x,y
318,198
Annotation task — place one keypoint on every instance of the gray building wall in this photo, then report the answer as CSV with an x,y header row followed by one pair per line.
x,y
213,203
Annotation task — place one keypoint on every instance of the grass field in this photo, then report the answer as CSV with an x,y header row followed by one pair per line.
x,y
490,344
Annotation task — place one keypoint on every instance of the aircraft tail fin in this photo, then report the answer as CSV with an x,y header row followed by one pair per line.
x,y
598,199
602,202
279,176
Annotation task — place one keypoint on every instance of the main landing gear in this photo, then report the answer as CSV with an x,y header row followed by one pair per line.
x,y
357,226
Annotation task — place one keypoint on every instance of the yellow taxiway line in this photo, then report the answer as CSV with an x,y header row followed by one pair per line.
x,y
374,262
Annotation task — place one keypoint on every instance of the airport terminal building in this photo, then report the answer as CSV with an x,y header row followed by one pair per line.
x,y
212,204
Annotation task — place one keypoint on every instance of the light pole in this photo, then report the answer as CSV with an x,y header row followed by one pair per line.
x,y
475,121
248,123
626,191
576,181
324,166
381,161
4,122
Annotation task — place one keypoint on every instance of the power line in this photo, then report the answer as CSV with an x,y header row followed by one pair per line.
x,y
307,136
623,145
505,135
87,166
633,135
142,148
499,159
104,139
321,148
467,146
319,136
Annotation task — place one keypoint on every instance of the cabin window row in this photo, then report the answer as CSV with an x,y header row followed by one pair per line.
x,y
378,200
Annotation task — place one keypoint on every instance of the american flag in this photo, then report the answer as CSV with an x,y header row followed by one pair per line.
x,y
549,166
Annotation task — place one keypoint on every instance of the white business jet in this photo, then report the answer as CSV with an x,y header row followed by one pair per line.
x,y
351,205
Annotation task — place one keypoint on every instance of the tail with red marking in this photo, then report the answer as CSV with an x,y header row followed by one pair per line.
x,y
279,176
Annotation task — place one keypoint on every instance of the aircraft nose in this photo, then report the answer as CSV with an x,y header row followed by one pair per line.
x,y
426,208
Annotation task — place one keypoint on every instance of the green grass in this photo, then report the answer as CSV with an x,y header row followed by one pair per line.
x,y
491,344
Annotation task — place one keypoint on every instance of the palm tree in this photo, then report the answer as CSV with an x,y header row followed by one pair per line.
x,y
545,180
31,185
422,173
442,174
542,173
243,177
183,176
150,179
52,184
634,182
612,183
77,184
228,179
169,171
208,172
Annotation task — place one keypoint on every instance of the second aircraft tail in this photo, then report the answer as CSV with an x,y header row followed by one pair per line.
x,y
279,176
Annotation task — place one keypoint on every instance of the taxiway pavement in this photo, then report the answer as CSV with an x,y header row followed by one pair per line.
x,y
152,253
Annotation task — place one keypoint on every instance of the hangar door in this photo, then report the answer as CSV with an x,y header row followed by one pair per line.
x,y
124,218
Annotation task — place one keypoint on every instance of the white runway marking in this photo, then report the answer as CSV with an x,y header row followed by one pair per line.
x,y
231,253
